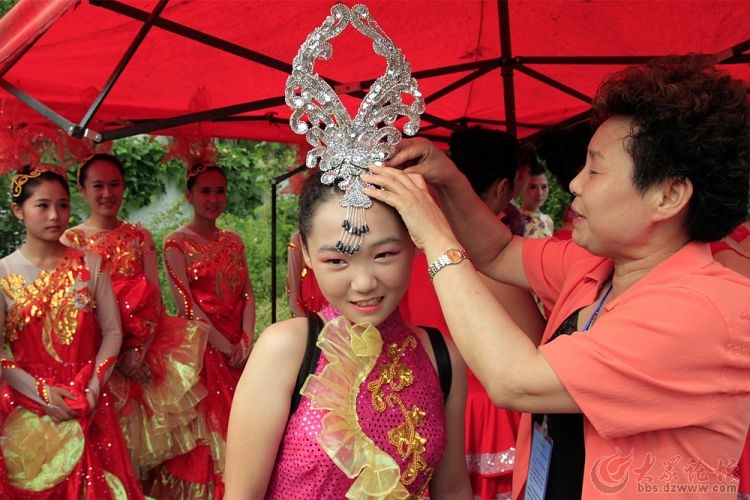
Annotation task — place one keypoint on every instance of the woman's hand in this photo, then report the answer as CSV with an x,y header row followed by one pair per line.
x,y
236,357
408,194
420,156
91,399
58,408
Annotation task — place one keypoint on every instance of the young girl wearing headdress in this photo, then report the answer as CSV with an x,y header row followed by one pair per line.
x,y
210,282
373,421
156,385
61,327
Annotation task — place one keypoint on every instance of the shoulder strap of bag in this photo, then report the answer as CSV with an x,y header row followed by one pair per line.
x,y
312,353
442,359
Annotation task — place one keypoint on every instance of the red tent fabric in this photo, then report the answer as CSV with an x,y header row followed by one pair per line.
x,y
109,69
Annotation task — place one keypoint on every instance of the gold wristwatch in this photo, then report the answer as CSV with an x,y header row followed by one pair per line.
x,y
449,258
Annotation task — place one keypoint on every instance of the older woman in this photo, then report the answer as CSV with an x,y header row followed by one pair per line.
x,y
640,383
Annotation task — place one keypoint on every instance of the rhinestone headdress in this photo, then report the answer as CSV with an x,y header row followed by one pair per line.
x,y
343,147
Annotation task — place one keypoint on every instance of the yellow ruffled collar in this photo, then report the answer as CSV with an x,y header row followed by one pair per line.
x,y
351,351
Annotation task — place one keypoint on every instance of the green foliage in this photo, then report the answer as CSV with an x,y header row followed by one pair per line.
x,y
145,176
558,200
5,6
12,231
249,166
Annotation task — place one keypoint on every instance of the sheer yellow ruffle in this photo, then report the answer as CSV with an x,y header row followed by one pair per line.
x,y
167,425
352,351
40,453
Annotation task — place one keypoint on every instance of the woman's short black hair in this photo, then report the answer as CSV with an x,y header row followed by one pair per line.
x,y
689,121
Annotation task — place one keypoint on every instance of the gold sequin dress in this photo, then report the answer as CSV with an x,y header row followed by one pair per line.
x,y
61,327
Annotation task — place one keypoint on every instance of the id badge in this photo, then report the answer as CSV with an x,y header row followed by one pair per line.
x,y
541,454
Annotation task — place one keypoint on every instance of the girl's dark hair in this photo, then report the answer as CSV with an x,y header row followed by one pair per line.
x,y
106,157
200,168
25,182
314,192
689,121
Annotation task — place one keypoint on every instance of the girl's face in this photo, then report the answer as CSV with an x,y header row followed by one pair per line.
x,y
103,189
366,286
536,192
208,195
45,213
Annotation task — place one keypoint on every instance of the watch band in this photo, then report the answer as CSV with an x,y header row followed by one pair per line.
x,y
450,257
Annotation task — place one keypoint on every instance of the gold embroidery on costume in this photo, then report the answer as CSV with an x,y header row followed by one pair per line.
x,y
181,287
222,258
409,442
123,247
51,299
405,438
396,375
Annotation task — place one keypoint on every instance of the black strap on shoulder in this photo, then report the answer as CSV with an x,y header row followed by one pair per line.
x,y
442,359
312,353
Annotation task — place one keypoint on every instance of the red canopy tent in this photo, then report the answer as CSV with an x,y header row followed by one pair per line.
x,y
106,69
110,69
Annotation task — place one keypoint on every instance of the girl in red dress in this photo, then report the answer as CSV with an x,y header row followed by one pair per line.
x,y
156,385
210,282
61,326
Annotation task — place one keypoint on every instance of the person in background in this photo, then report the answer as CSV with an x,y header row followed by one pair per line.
x,y
376,419
489,160
302,290
210,282
156,384
536,224
61,328
647,341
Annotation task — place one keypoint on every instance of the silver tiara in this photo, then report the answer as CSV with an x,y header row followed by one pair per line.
x,y
343,147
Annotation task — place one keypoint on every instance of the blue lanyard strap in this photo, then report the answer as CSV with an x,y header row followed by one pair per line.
x,y
598,308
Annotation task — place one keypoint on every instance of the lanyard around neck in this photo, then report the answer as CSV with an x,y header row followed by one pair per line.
x,y
598,308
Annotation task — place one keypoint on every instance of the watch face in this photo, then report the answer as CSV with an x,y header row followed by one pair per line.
x,y
454,255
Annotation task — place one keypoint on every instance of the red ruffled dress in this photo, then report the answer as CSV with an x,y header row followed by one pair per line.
x,y
61,328
211,282
156,417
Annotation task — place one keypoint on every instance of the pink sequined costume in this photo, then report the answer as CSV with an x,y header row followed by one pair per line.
x,y
62,329
210,282
155,417
372,422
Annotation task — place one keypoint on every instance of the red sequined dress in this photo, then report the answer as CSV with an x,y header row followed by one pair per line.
x,y
62,329
371,423
155,417
210,282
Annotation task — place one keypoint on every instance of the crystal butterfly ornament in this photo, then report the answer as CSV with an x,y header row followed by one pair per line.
x,y
343,147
